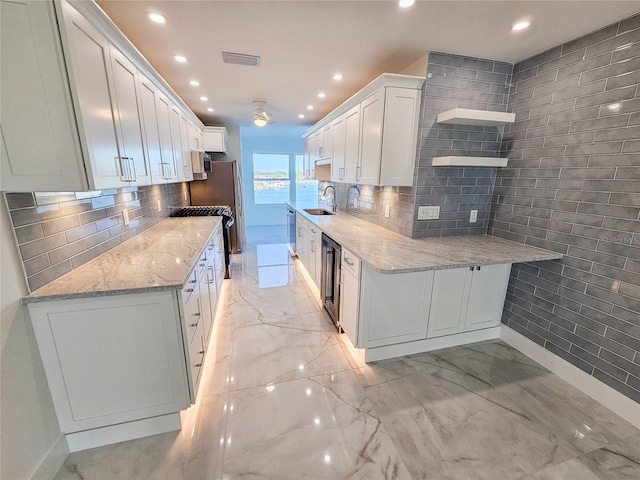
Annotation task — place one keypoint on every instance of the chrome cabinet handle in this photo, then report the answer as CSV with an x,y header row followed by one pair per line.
x,y
347,261
191,289
198,364
193,325
358,172
472,268
133,175
201,352
478,267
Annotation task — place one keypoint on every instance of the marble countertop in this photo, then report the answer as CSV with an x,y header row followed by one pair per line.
x,y
160,258
390,252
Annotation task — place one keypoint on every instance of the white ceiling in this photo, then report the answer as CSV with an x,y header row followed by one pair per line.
x,y
302,43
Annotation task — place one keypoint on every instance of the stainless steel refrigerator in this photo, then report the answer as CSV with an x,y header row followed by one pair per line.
x,y
223,186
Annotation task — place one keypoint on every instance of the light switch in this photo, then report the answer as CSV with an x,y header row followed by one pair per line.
x,y
159,205
473,218
125,217
387,211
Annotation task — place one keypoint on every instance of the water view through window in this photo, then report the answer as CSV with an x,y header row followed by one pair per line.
x,y
272,179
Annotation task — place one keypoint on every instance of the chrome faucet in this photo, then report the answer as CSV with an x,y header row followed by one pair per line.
x,y
333,197
348,190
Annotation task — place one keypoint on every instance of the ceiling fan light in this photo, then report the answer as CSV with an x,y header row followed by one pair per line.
x,y
260,119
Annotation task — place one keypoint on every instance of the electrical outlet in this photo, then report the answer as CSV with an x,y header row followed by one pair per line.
x,y
125,217
387,211
473,218
186,198
355,203
159,205
428,213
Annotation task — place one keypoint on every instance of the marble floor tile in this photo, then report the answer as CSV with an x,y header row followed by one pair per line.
x,y
318,428
284,396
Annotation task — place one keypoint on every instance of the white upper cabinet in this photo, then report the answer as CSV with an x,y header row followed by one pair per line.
x,y
40,149
338,128
168,168
215,139
90,72
378,141
130,118
187,172
77,107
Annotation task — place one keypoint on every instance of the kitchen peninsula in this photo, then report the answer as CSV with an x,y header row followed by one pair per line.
x,y
403,296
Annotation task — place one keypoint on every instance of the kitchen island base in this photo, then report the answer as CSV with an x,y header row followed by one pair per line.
x,y
401,349
108,435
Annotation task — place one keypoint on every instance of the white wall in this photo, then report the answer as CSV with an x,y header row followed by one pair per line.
x,y
270,139
31,445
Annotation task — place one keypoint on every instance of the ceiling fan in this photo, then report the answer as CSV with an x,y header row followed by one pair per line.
x,y
260,115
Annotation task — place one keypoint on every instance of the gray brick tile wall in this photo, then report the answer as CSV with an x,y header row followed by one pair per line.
x,y
573,185
55,238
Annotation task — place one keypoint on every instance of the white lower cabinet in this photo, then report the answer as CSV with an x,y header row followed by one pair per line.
x,y
383,309
111,360
309,247
466,299
127,358
393,306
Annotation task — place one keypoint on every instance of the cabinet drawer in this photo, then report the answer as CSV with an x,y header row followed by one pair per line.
x,y
189,286
350,262
196,357
192,315
315,232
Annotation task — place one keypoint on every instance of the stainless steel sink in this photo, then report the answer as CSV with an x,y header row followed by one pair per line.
x,y
318,211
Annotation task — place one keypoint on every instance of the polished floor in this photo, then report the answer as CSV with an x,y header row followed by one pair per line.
x,y
284,397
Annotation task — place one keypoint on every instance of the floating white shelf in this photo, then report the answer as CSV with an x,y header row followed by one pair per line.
x,y
469,162
467,116
324,161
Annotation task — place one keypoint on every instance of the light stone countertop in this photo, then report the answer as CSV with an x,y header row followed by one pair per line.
x,y
390,252
160,258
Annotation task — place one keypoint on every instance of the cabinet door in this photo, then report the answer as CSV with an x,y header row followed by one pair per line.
x,y
394,306
349,297
371,120
306,161
401,116
39,143
352,143
449,301
111,360
486,296
205,303
215,139
168,166
187,172
176,141
148,104
91,75
338,128
327,142
129,118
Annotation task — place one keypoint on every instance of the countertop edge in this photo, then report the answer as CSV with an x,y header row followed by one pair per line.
x,y
544,255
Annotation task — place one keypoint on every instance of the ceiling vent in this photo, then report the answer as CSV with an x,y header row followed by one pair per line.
x,y
241,59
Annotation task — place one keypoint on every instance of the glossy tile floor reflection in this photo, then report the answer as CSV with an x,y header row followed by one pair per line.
x,y
283,397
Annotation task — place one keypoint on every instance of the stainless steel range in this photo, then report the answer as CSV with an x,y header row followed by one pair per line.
x,y
228,221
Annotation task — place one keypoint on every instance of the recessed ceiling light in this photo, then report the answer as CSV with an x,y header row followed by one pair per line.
x,y
321,94
195,83
520,26
406,3
180,58
204,99
156,17
209,109
337,76
300,116
309,107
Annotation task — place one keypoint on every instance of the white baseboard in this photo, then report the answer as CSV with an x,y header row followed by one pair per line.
x,y
53,460
99,437
419,346
600,392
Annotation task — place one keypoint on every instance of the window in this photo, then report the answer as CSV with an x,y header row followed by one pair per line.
x,y
271,178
